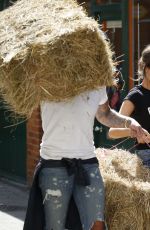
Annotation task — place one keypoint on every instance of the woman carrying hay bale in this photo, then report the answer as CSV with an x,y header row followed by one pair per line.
x,y
57,57
137,105
68,165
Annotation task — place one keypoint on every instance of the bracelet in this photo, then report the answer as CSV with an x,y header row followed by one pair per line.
x,y
126,124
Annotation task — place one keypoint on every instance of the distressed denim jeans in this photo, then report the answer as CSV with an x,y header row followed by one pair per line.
x,y
57,188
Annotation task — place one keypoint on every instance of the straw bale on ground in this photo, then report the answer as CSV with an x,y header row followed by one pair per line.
x,y
50,50
127,184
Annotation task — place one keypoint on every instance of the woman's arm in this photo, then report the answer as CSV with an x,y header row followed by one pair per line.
x,y
126,109
113,119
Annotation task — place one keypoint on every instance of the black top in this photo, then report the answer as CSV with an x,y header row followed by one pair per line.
x,y
140,97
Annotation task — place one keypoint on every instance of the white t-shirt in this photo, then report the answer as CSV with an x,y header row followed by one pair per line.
x,y
68,126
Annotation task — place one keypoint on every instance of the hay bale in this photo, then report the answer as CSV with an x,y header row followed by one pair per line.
x,y
127,184
50,50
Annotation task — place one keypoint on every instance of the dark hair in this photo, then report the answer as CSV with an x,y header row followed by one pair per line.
x,y
118,81
144,61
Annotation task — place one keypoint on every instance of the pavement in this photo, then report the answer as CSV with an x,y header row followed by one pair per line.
x,y
13,204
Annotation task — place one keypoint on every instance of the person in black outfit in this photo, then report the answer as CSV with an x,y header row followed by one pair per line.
x,y
114,92
137,105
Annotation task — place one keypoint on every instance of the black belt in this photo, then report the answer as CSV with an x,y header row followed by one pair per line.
x,y
73,166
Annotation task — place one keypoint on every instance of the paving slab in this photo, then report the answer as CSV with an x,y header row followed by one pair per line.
x,y
13,204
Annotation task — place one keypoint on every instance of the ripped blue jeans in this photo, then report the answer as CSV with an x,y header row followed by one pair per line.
x,y
57,188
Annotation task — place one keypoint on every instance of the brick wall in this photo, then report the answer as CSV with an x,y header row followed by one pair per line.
x,y
34,134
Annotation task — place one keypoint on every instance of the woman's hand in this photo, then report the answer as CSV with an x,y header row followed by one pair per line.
x,y
145,138
136,131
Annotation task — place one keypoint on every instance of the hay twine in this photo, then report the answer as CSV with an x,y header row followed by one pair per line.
x,y
127,184
50,50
